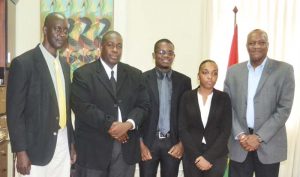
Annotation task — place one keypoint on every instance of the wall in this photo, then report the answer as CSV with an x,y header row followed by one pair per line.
x,y
141,23
27,25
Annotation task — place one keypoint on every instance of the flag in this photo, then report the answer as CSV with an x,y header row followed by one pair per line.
x,y
233,59
234,54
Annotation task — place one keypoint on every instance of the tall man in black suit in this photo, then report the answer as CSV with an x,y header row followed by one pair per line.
x,y
110,100
38,111
159,142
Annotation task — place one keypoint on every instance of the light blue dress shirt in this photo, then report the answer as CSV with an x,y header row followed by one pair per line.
x,y
254,75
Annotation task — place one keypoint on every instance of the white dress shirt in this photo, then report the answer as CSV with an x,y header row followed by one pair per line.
x,y
204,109
108,72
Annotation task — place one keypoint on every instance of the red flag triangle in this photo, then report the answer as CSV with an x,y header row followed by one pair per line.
x,y
234,55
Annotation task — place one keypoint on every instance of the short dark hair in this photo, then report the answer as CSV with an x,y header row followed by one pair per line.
x,y
107,34
161,41
49,18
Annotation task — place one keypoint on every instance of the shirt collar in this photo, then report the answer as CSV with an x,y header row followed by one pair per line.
x,y
108,69
160,74
47,54
262,65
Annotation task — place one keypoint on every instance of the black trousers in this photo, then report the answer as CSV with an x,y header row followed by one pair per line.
x,y
252,165
217,170
168,164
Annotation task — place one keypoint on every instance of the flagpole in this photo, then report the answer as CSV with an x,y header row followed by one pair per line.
x,y
233,56
235,10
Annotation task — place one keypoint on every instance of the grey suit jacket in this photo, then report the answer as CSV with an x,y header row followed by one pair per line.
x,y
272,104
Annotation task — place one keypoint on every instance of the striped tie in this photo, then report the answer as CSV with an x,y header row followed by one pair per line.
x,y
61,98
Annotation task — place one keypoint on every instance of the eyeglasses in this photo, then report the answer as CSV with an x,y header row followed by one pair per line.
x,y
163,52
259,43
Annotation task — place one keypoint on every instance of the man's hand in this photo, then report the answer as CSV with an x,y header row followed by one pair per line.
x,y
73,154
202,163
23,163
253,142
249,142
145,152
177,150
118,131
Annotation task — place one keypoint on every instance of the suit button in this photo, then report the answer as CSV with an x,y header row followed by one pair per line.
x,y
119,101
115,105
54,133
57,118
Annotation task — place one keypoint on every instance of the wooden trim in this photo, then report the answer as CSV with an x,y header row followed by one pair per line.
x,y
3,28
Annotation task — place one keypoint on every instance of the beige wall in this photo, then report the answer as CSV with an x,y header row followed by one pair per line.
x,y
141,23
27,25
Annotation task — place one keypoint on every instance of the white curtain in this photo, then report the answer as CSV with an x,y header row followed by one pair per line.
x,y
280,19
203,29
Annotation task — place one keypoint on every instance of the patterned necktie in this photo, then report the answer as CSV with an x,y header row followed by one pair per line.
x,y
113,82
61,97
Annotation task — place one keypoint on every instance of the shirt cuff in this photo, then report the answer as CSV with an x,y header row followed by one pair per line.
x,y
132,122
237,136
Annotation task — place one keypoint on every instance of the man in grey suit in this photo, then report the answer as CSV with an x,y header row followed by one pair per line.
x,y
262,92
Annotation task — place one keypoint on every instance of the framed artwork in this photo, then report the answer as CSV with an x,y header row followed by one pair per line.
x,y
88,20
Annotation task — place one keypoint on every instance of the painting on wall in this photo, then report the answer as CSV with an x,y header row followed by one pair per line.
x,y
88,21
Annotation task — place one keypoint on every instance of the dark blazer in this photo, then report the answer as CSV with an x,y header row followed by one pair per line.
x,y
96,107
180,84
32,109
216,132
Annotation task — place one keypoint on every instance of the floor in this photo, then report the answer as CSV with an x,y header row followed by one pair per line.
x,y
180,174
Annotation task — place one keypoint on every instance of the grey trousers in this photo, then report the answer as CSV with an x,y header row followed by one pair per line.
x,y
117,167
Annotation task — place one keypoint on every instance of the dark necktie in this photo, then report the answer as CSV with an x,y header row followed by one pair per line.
x,y
113,82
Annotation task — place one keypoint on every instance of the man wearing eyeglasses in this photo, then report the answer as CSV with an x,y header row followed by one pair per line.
x,y
159,133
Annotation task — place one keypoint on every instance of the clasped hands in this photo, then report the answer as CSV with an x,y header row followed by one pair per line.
x,y
202,164
249,142
176,151
118,131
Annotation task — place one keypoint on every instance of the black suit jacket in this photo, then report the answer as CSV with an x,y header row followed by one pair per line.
x,y
96,107
216,132
180,84
32,109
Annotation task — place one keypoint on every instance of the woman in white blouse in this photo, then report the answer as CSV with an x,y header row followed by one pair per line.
x,y
204,125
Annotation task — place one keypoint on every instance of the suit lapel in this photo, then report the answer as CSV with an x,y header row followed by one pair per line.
x,y
122,75
102,76
153,85
264,76
213,107
196,106
243,76
43,71
175,87
66,73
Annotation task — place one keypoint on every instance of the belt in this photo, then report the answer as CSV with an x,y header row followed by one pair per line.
x,y
250,130
160,135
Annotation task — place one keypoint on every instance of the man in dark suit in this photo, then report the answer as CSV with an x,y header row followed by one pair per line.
x,y
38,111
262,93
159,141
110,100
